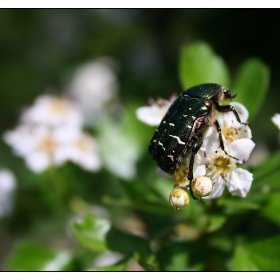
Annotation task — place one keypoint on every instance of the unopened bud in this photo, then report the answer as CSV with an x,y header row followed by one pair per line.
x,y
179,198
202,186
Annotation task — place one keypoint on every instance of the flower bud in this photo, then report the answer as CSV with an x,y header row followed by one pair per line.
x,y
179,198
202,186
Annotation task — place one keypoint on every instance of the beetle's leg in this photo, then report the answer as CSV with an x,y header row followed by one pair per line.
x,y
195,149
221,140
228,108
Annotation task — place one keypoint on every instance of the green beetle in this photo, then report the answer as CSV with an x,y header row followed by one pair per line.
x,y
182,130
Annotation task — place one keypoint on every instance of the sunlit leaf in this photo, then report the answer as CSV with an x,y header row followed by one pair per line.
x,y
242,261
29,256
262,255
91,232
215,222
251,84
122,142
269,166
198,64
272,210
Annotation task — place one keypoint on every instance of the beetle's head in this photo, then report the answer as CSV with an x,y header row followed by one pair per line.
x,y
227,93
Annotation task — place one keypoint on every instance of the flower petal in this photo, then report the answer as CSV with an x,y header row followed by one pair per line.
x,y
218,190
276,120
240,182
241,149
199,171
151,115
241,110
38,162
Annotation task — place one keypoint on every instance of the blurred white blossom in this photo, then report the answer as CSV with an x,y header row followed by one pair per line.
x,y
82,149
50,133
7,187
276,120
93,85
53,111
43,146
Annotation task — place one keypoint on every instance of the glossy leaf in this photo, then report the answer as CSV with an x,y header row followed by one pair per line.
x,y
267,174
242,261
272,210
215,222
198,64
262,255
29,256
91,232
251,84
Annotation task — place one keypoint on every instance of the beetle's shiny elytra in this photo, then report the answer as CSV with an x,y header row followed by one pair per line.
x,y
181,131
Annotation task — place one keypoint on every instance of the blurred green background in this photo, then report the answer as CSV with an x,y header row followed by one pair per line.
x,y
40,49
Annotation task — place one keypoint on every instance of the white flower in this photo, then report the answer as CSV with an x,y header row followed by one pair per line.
x,y
7,186
93,85
43,146
222,169
211,161
276,120
82,150
231,128
154,113
53,111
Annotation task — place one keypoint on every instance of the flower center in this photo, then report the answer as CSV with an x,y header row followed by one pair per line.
x,y
230,133
222,164
58,107
46,144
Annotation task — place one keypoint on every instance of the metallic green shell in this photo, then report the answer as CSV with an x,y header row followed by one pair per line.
x,y
206,91
179,130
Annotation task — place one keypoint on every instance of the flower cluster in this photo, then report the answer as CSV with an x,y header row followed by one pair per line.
x,y
93,86
50,133
214,170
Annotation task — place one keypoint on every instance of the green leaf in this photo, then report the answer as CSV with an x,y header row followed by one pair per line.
x,y
182,256
98,235
268,167
242,261
118,240
122,142
119,266
238,205
91,232
34,257
251,84
267,174
272,210
215,222
262,255
199,64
